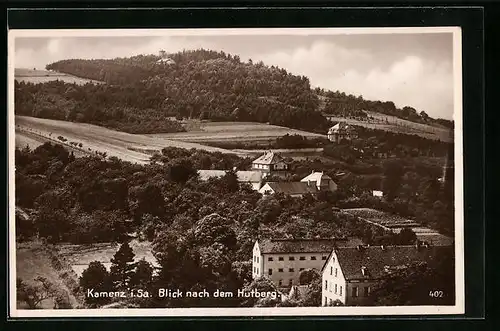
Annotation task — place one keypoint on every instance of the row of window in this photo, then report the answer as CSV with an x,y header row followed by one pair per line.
x,y
292,258
331,272
354,293
256,259
270,271
255,270
290,282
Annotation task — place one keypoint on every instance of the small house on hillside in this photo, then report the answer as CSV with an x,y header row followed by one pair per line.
x,y
321,181
350,273
340,131
270,162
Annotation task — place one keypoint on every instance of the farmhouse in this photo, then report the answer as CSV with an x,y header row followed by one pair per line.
x,y
350,273
254,178
340,131
282,260
270,162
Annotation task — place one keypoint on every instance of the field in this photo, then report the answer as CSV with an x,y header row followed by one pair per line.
x,y
80,256
206,132
398,125
129,147
35,259
396,223
43,76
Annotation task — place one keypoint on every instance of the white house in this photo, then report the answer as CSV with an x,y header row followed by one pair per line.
x,y
350,273
270,162
321,181
339,132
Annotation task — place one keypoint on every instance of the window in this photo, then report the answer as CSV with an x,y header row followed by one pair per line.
x,y
323,258
269,258
301,269
367,291
291,258
340,290
313,258
302,258
326,301
257,270
280,258
280,282
253,269
290,282
335,272
326,285
335,288
280,270
354,291
257,259
270,272
331,271
331,302
291,270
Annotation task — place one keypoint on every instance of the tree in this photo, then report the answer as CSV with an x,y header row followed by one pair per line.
x,y
96,279
34,295
122,267
181,170
393,173
307,276
406,237
230,181
142,277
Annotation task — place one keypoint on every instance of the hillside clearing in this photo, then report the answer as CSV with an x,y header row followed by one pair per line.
x,y
97,138
234,131
43,76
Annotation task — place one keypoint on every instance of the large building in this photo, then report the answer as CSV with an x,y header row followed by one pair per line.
x,y
282,260
270,162
350,273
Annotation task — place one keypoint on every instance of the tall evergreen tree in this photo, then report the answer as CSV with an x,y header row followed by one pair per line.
x,y
122,267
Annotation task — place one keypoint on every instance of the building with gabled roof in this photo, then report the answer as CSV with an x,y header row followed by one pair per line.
x,y
340,131
270,162
282,260
294,189
350,273
322,181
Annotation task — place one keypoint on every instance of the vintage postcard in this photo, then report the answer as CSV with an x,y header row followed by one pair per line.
x,y
236,172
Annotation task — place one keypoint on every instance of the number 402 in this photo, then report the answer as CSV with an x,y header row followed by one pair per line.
x,y
436,294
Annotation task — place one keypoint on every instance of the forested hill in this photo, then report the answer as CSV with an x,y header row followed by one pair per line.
x,y
203,84
143,91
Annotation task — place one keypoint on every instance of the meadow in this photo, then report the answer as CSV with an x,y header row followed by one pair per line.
x,y
43,76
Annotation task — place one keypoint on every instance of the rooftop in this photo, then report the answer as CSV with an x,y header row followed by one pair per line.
x,y
269,158
314,245
292,187
378,259
316,177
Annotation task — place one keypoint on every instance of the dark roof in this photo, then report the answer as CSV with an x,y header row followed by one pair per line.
x,y
293,187
322,245
375,259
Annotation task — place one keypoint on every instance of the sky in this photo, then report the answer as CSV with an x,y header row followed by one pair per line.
x,y
409,69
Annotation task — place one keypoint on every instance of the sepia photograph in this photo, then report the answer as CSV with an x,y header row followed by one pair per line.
x,y
235,172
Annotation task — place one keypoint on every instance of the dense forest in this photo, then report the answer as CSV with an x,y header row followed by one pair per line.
x,y
141,95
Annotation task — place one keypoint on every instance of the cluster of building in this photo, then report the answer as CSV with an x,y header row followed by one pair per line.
x,y
271,163
349,270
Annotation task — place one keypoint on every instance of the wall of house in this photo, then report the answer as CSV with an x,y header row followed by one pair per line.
x,y
266,189
256,262
279,166
286,267
333,282
358,291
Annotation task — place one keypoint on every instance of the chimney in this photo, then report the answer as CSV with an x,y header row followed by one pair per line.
x,y
382,247
363,271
